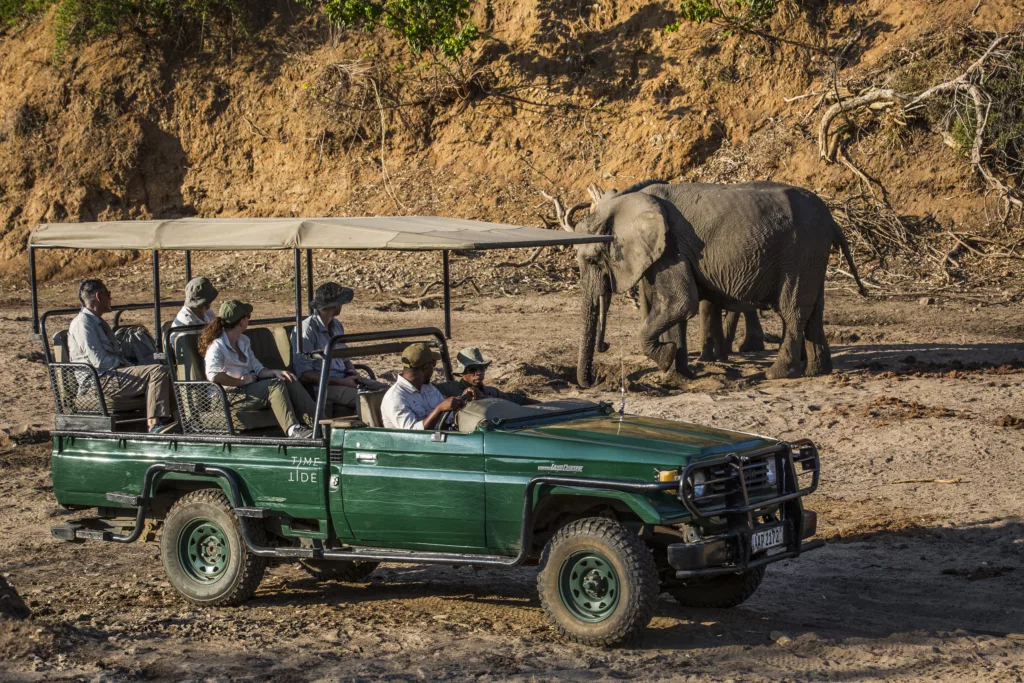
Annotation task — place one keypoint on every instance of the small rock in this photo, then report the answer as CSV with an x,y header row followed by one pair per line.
x,y
779,638
926,300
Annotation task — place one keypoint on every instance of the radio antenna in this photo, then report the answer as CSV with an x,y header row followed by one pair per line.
x,y
622,387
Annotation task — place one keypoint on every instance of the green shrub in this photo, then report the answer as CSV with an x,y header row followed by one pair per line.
x,y
426,25
735,13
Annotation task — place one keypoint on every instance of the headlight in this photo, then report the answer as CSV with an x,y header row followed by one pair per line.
x,y
771,470
698,484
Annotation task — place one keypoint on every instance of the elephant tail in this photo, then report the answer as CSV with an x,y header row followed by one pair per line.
x,y
845,247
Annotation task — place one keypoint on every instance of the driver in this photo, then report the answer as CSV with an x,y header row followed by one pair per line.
x,y
413,402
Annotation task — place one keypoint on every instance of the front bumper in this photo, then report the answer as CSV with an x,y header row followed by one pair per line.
x,y
728,485
729,553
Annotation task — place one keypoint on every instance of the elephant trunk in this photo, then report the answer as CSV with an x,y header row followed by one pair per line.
x,y
590,284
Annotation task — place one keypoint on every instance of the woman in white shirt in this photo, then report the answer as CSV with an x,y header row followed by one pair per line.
x,y
231,363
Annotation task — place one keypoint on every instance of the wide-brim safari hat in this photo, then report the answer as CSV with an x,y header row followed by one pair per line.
x,y
469,357
199,292
330,294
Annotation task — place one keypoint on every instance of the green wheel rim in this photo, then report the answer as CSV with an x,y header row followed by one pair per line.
x,y
203,551
588,586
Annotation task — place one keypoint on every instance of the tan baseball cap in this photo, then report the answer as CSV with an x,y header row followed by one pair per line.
x,y
418,355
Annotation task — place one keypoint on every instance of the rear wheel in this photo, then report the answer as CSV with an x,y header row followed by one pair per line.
x,y
203,552
720,591
598,582
346,572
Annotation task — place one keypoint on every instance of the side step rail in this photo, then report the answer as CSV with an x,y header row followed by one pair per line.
x,y
74,532
355,554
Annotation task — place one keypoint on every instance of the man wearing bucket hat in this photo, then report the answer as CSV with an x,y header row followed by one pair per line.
x,y
471,367
344,380
198,309
413,402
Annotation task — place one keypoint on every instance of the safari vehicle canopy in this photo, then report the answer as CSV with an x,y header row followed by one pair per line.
x,y
613,507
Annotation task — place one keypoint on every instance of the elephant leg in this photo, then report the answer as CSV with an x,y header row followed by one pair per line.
x,y
602,315
753,334
676,335
711,332
732,322
819,357
788,362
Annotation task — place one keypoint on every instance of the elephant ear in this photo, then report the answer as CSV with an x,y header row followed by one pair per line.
x,y
639,227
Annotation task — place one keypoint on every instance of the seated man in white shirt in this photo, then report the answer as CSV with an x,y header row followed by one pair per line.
x,y
413,402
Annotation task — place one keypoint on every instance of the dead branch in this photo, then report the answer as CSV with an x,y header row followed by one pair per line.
x,y
565,217
831,137
518,264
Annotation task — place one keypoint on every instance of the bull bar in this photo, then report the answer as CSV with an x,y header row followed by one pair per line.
x,y
730,552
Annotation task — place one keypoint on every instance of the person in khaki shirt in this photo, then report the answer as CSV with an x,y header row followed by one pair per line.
x,y
92,341
231,363
470,367
343,381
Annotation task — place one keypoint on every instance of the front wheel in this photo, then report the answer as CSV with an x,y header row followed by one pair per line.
x,y
598,582
204,554
720,591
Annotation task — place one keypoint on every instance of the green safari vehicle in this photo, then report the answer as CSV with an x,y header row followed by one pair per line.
x,y
613,508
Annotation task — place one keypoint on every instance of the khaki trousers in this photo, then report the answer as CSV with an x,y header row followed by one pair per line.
x,y
124,386
344,401
289,400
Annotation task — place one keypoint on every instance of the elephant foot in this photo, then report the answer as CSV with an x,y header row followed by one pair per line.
x,y
707,356
603,346
665,356
784,371
751,345
677,376
817,366
722,357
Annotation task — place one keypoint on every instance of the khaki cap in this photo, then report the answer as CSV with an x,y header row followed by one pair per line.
x,y
233,311
469,357
199,292
418,355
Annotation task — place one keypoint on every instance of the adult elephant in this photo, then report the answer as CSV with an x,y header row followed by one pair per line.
x,y
759,245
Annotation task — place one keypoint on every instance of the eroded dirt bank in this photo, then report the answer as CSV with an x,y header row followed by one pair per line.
x,y
921,580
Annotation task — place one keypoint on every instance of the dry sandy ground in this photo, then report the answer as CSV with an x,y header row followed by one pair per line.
x,y
920,579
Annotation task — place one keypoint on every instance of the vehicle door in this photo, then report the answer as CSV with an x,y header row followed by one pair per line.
x,y
415,489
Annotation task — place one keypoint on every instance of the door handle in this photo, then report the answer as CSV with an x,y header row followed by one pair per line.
x,y
366,458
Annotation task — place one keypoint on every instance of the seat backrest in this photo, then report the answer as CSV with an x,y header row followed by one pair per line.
x,y
189,366
369,407
266,349
283,340
60,347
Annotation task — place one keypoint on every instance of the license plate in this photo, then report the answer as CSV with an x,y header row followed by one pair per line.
x,y
766,539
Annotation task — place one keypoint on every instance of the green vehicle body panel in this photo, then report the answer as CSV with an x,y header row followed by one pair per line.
x,y
403,489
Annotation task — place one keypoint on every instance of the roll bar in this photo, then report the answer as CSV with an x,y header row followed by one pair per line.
x,y
118,310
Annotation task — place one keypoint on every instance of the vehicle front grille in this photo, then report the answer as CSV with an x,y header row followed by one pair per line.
x,y
722,487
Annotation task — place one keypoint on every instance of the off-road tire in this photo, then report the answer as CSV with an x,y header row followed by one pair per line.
x,y
720,591
243,571
633,563
345,572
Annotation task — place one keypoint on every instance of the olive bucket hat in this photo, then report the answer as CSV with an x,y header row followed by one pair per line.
x,y
199,292
469,357
233,311
418,355
330,294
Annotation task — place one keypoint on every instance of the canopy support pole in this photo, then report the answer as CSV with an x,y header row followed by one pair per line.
x,y
298,301
32,285
156,301
188,266
446,284
309,276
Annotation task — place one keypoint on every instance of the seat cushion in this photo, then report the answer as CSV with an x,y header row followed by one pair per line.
x,y
60,347
369,407
266,349
282,338
189,365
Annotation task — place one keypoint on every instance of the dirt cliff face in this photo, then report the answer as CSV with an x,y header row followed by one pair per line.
x,y
301,120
